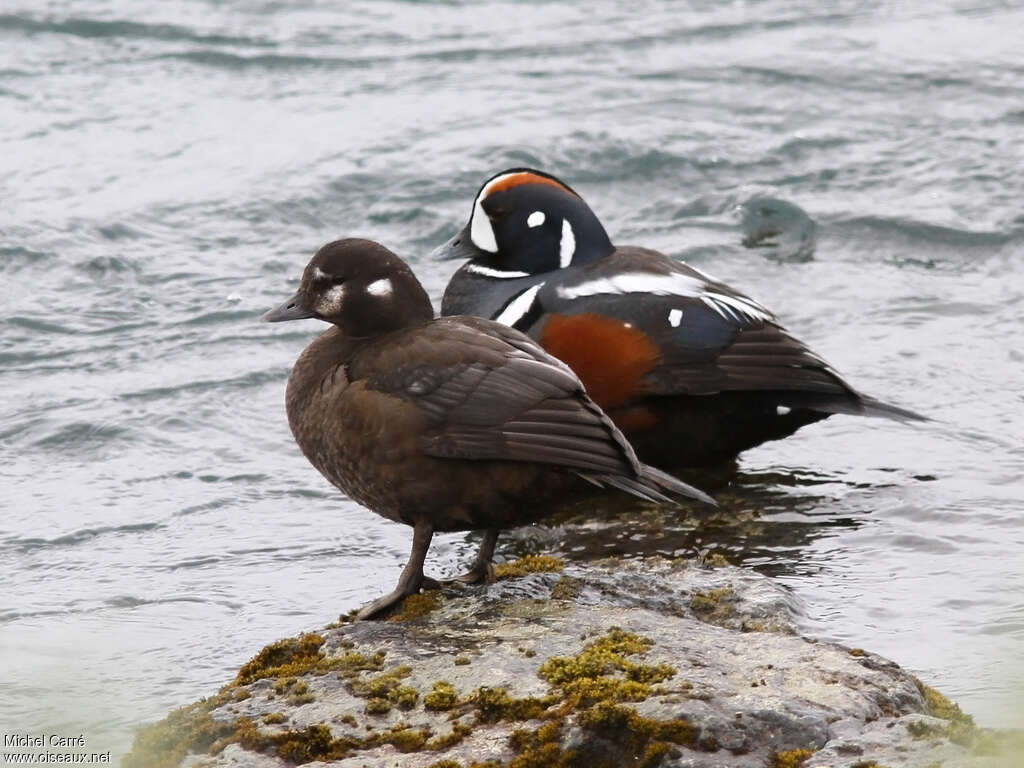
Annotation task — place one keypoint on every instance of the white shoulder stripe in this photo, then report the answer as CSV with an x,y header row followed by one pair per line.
x,y
636,282
734,308
519,306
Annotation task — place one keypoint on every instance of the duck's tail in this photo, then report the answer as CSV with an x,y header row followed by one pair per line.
x,y
652,485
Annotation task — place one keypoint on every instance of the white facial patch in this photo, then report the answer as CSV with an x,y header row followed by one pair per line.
x,y
480,269
535,219
519,306
567,245
734,308
319,274
783,410
380,287
480,230
675,316
330,301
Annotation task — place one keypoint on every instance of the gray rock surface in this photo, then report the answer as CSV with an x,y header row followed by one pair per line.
x,y
647,663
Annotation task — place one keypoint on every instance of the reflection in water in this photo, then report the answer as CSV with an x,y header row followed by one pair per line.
x,y
760,522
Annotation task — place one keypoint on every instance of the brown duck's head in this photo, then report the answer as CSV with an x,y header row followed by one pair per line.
x,y
359,286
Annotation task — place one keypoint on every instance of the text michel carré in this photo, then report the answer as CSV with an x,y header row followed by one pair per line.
x,y
53,740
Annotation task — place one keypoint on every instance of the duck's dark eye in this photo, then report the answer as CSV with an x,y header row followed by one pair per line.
x,y
337,280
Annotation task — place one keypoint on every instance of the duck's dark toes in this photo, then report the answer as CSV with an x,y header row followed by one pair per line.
x,y
478,574
381,606
429,583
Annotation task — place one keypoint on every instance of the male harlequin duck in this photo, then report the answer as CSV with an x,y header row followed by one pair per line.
x,y
451,424
666,350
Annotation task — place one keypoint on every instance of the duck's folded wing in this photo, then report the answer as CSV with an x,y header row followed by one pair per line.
x,y
517,409
486,391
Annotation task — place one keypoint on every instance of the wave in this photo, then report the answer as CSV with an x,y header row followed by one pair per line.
x,y
98,28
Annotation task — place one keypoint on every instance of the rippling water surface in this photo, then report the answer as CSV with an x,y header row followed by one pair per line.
x,y
168,168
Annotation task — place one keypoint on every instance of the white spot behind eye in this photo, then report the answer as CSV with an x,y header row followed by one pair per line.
x,y
519,306
782,410
380,287
567,246
535,219
319,274
675,316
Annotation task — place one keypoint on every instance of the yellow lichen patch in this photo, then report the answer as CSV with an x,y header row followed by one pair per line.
x,y
643,739
792,758
445,764
418,605
377,706
961,728
297,746
528,564
441,697
602,671
494,704
450,739
715,606
405,739
567,588
353,662
461,660
654,754
290,657
715,560
387,685
184,731
540,748
275,718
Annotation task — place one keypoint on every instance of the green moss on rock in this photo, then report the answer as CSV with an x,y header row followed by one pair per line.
x,y
442,696
791,758
528,564
715,606
419,605
186,730
285,658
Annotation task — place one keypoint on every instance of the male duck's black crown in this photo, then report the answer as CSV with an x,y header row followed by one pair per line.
x,y
359,286
526,222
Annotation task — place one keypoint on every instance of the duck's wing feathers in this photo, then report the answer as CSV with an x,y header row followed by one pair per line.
x,y
709,337
486,391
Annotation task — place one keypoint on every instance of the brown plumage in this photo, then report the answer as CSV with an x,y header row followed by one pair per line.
x,y
452,424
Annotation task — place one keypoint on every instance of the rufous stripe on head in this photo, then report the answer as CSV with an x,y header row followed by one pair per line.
x,y
524,177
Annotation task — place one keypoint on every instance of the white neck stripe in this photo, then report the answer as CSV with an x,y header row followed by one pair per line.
x,y
480,269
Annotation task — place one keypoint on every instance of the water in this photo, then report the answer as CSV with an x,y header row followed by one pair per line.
x,y
167,169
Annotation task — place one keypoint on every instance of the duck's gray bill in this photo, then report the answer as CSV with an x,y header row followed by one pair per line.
x,y
293,309
459,247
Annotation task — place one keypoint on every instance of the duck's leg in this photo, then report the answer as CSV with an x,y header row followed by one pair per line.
x,y
411,580
481,569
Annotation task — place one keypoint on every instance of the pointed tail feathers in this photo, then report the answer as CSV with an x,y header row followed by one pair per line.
x,y
873,407
652,485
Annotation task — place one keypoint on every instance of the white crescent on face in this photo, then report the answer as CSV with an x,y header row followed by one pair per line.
x,y
480,230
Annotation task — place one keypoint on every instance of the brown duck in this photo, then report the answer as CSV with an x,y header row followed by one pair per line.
x,y
449,424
